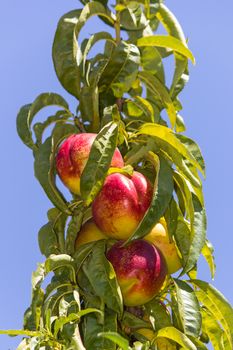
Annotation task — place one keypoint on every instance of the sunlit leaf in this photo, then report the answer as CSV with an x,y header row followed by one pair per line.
x,y
217,305
167,137
207,252
158,89
167,41
177,336
214,331
189,308
117,339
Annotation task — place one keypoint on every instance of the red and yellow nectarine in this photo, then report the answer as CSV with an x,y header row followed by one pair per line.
x,y
72,157
121,204
89,233
160,238
140,269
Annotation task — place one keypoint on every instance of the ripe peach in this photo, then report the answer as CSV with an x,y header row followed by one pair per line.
x,y
72,157
89,233
121,204
160,238
140,269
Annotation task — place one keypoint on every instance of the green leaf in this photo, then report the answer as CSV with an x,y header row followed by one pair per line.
x,y
217,305
47,238
72,230
171,217
172,26
158,89
88,44
46,177
15,332
129,320
55,262
207,252
99,161
121,70
65,52
151,61
198,235
194,150
117,339
28,112
160,315
44,165
161,197
167,41
67,56
139,108
102,277
167,136
183,238
92,327
177,336
214,331
39,128
33,313
181,182
82,253
189,308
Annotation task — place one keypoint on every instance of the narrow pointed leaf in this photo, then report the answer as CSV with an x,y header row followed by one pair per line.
x,y
214,331
198,235
102,277
117,339
161,197
121,70
189,308
172,26
168,137
157,88
194,150
44,165
207,252
92,326
99,161
167,41
177,336
28,112
217,305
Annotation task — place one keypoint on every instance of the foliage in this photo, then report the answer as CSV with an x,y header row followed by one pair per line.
x,y
122,94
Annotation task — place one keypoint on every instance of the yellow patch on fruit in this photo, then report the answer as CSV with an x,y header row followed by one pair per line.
x,y
89,233
73,183
160,238
123,228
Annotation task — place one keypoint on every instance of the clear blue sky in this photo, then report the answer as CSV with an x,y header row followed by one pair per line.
x,y
27,28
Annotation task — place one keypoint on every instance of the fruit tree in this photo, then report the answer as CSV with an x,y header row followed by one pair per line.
x,y
121,252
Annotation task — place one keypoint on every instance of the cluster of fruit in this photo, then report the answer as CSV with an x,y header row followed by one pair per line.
x,y
142,265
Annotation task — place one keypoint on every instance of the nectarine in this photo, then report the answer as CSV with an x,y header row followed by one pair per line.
x,y
160,238
121,204
72,157
89,233
140,269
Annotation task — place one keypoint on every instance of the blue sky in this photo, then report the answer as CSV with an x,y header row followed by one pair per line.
x,y
27,29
